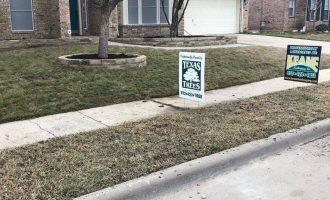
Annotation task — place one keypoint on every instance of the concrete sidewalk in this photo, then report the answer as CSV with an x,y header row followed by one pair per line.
x,y
271,41
34,130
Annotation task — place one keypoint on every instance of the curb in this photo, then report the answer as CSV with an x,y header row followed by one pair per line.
x,y
152,185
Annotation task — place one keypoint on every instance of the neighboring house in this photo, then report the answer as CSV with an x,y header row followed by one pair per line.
x,y
285,15
132,18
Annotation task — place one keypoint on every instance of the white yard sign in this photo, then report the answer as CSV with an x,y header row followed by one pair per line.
x,y
191,76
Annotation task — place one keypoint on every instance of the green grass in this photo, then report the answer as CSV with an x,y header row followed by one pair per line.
x,y
33,84
307,36
67,167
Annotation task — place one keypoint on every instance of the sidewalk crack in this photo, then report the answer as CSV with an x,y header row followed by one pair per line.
x,y
49,132
94,119
167,104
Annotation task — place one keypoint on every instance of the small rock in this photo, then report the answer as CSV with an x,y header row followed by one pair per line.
x,y
204,197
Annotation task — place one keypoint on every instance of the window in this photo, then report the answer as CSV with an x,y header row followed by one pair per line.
x,y
21,15
149,12
146,11
292,8
133,12
326,10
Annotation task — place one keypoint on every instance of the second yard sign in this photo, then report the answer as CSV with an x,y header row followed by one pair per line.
x,y
191,76
303,63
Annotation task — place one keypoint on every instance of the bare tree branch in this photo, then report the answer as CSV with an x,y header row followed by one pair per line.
x,y
184,11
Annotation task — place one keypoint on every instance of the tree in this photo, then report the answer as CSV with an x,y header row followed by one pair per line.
x,y
106,7
178,10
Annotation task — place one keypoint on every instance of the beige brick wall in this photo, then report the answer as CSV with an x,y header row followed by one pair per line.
x,y
64,17
152,30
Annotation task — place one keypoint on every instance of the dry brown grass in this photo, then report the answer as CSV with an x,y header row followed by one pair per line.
x,y
68,167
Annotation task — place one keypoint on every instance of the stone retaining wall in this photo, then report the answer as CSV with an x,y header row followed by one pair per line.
x,y
180,41
121,63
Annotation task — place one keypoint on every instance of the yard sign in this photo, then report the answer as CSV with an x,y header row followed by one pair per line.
x,y
303,63
191,76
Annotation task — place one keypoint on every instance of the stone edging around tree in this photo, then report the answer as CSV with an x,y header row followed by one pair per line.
x,y
134,61
180,41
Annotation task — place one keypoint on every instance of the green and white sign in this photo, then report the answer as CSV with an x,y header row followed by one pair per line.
x,y
191,76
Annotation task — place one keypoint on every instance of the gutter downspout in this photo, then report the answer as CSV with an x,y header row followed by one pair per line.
x,y
80,18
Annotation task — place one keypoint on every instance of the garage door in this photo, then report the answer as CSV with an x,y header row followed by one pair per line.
x,y
206,17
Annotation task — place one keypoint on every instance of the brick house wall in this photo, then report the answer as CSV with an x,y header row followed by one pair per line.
x,y
298,21
273,15
49,20
266,14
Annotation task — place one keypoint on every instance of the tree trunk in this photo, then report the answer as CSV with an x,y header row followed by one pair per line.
x,y
173,31
104,31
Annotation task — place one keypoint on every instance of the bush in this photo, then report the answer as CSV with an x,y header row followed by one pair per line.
x,y
322,27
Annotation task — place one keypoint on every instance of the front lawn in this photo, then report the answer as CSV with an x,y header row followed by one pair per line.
x,y
307,36
67,167
33,84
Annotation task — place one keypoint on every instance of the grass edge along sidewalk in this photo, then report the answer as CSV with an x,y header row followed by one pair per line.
x,y
68,167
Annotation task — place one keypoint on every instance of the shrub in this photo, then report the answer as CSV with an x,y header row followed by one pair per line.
x,y
322,27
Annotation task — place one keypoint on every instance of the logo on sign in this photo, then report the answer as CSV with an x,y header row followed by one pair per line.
x,y
191,75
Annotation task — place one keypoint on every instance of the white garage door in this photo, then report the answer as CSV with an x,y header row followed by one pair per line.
x,y
205,17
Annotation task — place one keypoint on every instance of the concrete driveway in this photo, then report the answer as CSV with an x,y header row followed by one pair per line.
x,y
280,42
